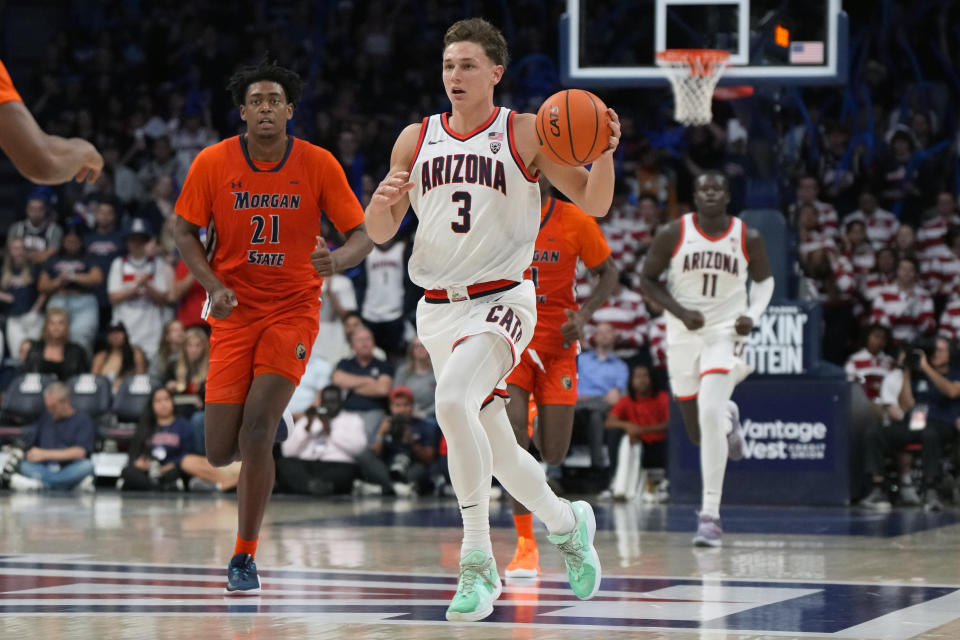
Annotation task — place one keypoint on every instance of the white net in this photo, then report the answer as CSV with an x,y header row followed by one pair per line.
x,y
694,75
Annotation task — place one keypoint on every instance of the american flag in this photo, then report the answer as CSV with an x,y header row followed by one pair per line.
x,y
496,136
806,53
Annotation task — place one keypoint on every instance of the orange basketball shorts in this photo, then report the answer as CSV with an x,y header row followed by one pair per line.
x,y
279,343
552,378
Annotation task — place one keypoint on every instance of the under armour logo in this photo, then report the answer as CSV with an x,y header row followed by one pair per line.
x,y
236,185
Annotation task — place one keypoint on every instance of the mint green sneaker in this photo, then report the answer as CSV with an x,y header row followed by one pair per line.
x,y
579,556
477,587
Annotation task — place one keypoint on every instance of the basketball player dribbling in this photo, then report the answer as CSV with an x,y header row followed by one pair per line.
x,y
471,177
548,366
263,194
709,255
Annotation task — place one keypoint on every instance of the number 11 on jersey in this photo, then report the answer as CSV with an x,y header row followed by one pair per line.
x,y
710,285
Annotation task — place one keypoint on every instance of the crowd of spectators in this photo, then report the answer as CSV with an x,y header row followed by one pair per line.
x,y
865,175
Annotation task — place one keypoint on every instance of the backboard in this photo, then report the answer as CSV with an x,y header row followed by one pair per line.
x,y
778,42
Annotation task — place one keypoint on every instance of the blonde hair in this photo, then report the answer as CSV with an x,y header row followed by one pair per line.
x,y
10,271
186,371
51,312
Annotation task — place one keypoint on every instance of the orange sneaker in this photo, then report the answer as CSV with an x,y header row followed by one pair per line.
x,y
526,560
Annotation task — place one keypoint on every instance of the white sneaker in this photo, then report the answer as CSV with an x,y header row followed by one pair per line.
x,y
23,483
87,485
403,489
361,488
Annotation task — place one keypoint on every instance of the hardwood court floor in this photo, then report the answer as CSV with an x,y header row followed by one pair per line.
x,y
112,566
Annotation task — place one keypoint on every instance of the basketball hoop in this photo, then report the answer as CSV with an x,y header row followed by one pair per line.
x,y
693,75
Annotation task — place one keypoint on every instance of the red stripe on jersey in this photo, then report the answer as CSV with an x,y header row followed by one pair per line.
x,y
743,241
516,154
446,126
679,239
719,237
423,133
709,371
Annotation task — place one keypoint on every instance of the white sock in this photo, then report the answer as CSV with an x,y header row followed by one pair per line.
x,y
521,475
906,479
715,391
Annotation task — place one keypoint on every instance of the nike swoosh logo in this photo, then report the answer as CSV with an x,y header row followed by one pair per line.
x,y
468,506
434,141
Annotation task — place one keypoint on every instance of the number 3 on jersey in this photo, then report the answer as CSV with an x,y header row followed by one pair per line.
x,y
259,223
464,224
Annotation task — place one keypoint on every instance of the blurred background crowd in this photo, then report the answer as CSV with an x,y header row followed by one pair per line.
x,y
865,178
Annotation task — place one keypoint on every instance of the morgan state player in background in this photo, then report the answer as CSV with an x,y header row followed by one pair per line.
x,y
478,226
548,367
709,256
262,193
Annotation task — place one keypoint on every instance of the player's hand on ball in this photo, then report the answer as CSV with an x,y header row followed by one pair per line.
x,y
692,320
572,329
323,259
222,302
392,188
744,325
614,140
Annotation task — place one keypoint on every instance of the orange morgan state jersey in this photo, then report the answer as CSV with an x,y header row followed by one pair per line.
x,y
8,92
566,233
266,218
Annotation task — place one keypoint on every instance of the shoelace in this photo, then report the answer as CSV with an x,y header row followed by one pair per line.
x,y
242,571
469,574
572,552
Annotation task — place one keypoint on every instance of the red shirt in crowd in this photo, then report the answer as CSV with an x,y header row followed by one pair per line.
x,y
645,411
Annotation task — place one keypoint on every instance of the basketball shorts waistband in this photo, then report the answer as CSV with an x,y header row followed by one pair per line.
x,y
471,292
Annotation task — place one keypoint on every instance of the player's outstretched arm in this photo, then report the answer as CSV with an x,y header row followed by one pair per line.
x,y
591,190
656,262
761,291
42,158
390,201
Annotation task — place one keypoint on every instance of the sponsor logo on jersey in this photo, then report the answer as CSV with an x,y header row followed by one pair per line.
x,y
713,260
463,168
566,382
246,200
301,351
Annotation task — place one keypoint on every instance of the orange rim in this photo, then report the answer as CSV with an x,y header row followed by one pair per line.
x,y
701,62
732,93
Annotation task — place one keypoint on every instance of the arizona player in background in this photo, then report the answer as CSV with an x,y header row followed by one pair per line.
x,y
471,177
548,366
263,194
709,255
40,157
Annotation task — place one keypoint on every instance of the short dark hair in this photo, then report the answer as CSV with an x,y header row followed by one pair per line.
x,y
482,33
269,71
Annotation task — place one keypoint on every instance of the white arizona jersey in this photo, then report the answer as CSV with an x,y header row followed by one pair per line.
x,y
709,275
479,207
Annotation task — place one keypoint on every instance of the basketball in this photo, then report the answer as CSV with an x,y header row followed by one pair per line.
x,y
573,127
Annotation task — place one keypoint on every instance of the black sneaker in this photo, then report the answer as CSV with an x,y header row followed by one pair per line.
x,y
242,578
